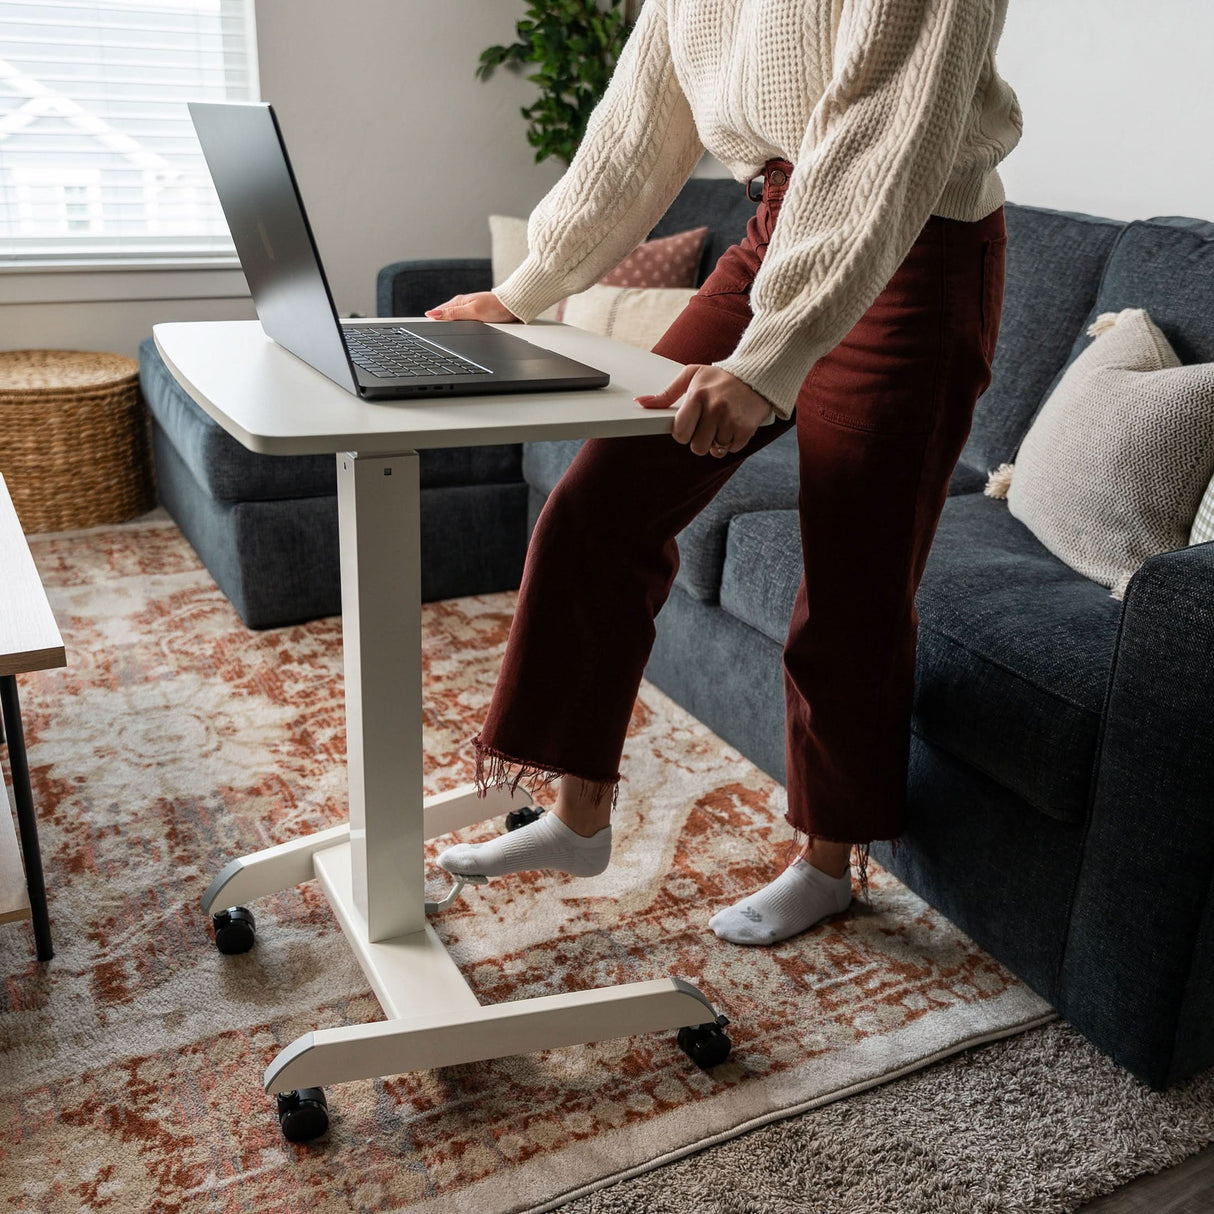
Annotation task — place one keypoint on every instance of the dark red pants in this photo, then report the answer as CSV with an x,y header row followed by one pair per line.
x,y
880,421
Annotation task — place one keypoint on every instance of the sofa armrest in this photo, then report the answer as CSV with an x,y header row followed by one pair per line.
x,y
408,288
1139,960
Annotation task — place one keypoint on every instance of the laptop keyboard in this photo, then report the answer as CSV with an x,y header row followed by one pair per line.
x,y
393,353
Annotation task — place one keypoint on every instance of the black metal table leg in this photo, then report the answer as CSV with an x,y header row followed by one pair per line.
x,y
27,825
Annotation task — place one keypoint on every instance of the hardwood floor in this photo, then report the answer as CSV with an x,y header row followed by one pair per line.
x,y
1187,1188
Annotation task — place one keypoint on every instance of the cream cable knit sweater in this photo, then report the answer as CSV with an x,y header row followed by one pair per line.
x,y
889,110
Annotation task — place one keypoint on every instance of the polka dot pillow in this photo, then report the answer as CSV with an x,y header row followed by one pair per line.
x,y
668,261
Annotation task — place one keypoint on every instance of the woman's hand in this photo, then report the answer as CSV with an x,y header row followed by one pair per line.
x,y
719,412
480,305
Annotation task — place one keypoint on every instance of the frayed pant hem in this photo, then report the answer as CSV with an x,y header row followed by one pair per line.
x,y
803,839
493,771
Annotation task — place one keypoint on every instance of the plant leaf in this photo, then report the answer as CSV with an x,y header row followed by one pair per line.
x,y
574,45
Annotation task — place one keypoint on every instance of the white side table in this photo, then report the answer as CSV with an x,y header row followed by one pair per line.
x,y
371,869
29,641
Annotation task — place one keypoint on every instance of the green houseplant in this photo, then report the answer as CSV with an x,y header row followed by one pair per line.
x,y
575,44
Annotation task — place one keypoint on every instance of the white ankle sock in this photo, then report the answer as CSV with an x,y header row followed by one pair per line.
x,y
795,900
546,843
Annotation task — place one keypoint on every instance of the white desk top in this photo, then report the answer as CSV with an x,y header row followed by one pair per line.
x,y
275,403
29,636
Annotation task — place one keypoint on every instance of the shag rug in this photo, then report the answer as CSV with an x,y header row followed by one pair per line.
x,y
176,739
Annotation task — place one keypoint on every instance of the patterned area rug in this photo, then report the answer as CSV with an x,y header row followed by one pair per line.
x,y
130,1065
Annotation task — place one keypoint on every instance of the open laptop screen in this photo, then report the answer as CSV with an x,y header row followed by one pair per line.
x,y
245,152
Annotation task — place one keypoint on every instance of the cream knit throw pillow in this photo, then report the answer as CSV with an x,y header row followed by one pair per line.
x,y
1114,465
636,315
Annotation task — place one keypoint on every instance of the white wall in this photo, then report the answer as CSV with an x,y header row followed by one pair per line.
x,y
401,152
1118,101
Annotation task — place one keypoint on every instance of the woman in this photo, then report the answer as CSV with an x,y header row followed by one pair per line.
x,y
866,318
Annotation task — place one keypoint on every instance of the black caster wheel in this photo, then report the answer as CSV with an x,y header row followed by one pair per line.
x,y
705,1044
523,817
235,930
303,1114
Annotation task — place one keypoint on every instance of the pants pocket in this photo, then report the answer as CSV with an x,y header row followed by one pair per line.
x,y
730,276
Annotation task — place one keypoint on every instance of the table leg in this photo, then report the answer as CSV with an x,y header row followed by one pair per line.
x,y
378,509
27,825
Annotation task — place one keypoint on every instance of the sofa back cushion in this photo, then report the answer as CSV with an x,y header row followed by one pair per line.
x,y
1165,265
1054,263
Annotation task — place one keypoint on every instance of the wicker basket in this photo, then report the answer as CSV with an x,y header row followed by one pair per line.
x,y
74,441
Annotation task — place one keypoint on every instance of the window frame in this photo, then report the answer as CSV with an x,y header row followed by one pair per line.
x,y
175,253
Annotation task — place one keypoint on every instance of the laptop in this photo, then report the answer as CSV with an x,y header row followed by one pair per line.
x,y
244,150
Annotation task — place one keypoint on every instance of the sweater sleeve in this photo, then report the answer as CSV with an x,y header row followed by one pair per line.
x,y
878,152
640,146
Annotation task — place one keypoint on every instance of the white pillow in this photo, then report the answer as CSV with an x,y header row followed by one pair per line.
x,y
636,315
508,244
1203,524
1114,465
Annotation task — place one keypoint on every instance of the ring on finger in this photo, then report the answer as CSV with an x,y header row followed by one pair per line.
x,y
719,448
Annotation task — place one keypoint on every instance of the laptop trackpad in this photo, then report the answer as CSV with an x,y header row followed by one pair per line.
x,y
493,346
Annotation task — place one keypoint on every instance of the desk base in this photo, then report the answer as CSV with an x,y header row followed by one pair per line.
x,y
371,868
434,1019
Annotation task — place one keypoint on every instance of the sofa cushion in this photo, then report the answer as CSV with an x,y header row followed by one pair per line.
x,y
544,463
1054,263
1014,647
763,570
230,472
967,480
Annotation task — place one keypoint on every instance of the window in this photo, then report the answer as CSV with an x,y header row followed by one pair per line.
x,y
98,157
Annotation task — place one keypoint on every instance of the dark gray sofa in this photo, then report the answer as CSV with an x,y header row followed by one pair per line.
x,y
1062,771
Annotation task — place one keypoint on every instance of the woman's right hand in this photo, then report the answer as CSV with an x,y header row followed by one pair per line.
x,y
480,305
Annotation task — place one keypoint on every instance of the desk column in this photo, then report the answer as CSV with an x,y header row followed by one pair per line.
x,y
379,502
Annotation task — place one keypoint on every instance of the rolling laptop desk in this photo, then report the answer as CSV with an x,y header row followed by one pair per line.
x,y
371,869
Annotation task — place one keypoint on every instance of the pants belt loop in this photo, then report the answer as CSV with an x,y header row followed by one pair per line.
x,y
774,178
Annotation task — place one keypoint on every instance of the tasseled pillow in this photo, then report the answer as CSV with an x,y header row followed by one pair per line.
x,y
1114,466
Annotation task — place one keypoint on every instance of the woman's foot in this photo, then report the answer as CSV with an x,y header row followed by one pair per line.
x,y
797,899
573,837
544,844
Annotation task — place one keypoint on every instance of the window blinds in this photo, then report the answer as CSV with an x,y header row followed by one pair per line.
x,y
98,157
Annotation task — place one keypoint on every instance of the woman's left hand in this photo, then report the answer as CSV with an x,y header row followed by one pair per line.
x,y
719,412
